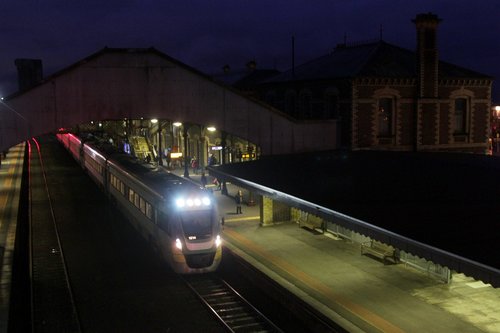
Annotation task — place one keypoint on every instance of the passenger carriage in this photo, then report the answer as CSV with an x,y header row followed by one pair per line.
x,y
176,216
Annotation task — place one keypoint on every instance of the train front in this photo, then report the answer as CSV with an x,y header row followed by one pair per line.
x,y
197,245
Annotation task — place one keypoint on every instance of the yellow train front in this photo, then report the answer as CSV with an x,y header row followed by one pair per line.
x,y
195,233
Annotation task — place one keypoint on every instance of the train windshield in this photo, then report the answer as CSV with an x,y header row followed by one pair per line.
x,y
197,225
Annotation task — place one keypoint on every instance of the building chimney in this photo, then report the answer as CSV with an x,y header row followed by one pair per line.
x,y
29,73
427,54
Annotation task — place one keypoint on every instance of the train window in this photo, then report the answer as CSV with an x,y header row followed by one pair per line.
x,y
122,188
149,211
136,200
142,205
131,195
197,224
164,222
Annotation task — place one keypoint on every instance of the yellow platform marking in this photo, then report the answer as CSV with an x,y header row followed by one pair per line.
x,y
7,182
248,218
356,309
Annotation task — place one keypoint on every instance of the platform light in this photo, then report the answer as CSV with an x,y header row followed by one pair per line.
x,y
154,121
177,124
218,241
211,129
497,111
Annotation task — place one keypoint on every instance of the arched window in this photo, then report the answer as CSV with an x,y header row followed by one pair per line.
x,y
332,106
460,115
385,116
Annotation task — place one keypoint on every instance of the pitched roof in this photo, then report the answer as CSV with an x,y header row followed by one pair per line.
x,y
375,59
244,78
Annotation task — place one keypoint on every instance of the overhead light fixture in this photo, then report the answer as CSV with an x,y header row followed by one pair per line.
x,y
211,129
154,121
177,124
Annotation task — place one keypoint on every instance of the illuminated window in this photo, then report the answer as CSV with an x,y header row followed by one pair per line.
x,y
461,111
385,116
142,205
131,195
149,211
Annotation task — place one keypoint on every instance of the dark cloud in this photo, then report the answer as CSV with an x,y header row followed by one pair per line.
x,y
209,34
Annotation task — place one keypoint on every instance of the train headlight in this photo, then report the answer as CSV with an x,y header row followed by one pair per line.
x,y
180,203
218,241
186,203
178,244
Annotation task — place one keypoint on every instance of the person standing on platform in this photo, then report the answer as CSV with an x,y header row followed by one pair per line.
x,y
203,180
168,158
194,165
239,201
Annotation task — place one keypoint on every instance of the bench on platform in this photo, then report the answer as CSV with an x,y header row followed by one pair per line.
x,y
380,250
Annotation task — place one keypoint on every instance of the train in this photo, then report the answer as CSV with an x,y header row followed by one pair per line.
x,y
176,216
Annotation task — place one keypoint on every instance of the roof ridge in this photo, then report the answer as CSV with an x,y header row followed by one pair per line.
x,y
357,44
369,56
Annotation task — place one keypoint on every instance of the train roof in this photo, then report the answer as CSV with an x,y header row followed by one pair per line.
x,y
154,177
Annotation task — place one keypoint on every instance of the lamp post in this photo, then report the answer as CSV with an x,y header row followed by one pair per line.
x,y
186,160
160,160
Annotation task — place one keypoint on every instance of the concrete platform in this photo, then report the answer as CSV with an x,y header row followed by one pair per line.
x,y
11,171
357,291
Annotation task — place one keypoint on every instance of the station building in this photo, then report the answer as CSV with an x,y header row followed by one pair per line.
x,y
386,97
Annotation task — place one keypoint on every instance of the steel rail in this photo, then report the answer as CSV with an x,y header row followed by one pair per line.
x,y
58,251
232,309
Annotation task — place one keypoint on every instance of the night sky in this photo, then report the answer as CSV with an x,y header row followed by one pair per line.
x,y
207,34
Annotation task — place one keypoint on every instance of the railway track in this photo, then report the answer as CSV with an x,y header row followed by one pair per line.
x,y
93,298
52,304
234,312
